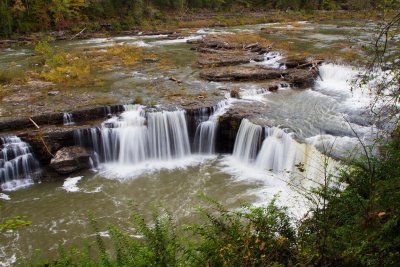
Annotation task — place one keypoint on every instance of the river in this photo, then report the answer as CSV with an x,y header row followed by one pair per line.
x,y
298,126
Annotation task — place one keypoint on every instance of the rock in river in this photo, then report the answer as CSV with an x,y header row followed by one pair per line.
x,y
71,159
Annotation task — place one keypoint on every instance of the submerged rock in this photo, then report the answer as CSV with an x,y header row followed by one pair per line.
x,y
71,159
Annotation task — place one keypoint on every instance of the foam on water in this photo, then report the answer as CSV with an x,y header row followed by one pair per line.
x,y
70,184
4,196
131,171
176,41
141,44
15,185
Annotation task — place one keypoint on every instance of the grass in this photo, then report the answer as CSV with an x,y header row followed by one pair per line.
x,y
69,70
12,75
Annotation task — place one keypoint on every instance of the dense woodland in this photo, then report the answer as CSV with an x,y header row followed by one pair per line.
x,y
25,16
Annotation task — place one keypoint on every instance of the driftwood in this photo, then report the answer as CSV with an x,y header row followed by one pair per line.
x,y
79,33
41,137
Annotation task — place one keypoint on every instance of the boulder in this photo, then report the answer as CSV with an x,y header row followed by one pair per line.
x,y
71,159
301,78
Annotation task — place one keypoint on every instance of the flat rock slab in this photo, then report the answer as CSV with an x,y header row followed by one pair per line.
x,y
228,59
242,74
299,78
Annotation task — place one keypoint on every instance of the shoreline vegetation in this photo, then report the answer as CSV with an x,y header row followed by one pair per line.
x,y
174,23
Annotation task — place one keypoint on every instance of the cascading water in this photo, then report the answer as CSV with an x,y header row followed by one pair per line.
x,y
204,140
131,139
17,163
272,60
278,151
247,142
68,118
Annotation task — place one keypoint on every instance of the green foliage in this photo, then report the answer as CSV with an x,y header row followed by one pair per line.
x,y
361,223
12,75
37,15
14,223
251,237
43,49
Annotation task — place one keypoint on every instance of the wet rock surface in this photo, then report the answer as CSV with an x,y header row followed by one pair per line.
x,y
229,123
242,74
70,159
216,51
221,55
82,115
300,78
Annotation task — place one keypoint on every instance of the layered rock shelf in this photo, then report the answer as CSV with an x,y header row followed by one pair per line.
x,y
299,78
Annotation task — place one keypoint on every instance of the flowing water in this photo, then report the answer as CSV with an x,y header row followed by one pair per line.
x,y
147,156
68,118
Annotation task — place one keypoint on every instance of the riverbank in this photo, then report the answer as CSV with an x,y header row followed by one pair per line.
x,y
178,23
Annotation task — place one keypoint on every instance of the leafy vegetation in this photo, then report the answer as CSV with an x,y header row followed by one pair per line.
x,y
39,15
77,69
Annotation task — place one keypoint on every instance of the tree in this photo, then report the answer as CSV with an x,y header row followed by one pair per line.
x,y
5,18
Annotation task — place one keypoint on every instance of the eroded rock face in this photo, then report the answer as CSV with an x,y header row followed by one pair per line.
x,y
71,159
301,78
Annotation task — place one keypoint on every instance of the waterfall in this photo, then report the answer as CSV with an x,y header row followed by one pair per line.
x,y
68,119
133,138
205,137
204,140
247,141
278,151
17,163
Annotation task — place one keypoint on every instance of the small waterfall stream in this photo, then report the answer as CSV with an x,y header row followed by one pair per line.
x,y
247,142
278,151
68,118
204,140
17,163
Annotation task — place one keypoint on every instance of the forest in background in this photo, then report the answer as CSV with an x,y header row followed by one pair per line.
x,y
27,16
